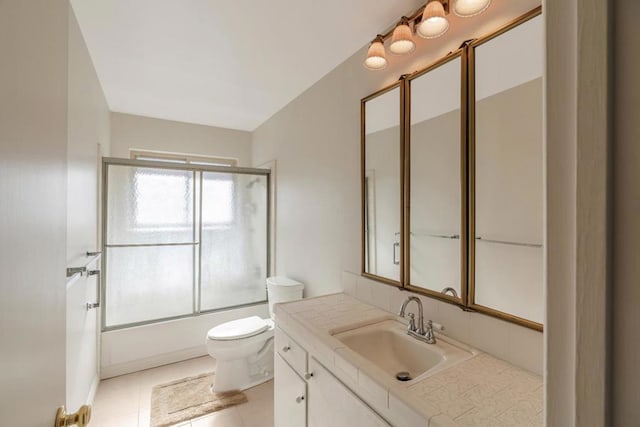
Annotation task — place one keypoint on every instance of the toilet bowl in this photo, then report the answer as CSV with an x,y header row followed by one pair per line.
x,y
243,348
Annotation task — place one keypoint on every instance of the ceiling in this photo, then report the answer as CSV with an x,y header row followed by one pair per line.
x,y
231,64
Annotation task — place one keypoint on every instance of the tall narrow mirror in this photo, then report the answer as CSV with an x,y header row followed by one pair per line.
x,y
507,219
382,251
436,184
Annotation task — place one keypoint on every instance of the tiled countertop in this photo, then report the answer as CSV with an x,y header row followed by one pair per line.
x,y
481,391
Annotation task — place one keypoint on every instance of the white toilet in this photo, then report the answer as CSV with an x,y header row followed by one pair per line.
x,y
243,348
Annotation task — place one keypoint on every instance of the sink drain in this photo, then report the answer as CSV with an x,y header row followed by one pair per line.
x,y
403,376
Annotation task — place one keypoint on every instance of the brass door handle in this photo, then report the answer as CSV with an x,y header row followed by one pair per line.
x,y
80,418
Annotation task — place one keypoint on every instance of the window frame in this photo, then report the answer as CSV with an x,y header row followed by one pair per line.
x,y
181,158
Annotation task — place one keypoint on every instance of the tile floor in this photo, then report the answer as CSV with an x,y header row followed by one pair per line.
x,y
125,401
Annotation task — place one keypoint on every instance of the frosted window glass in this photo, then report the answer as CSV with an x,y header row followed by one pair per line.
x,y
220,212
148,205
234,240
148,283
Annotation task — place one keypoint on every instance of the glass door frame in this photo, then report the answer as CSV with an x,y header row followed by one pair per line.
x,y
197,231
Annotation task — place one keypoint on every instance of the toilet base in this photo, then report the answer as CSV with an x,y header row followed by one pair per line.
x,y
244,373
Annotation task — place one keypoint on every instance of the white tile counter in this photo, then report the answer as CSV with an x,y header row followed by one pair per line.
x,y
481,391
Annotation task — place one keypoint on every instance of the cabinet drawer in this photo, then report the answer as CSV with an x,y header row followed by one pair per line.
x,y
291,351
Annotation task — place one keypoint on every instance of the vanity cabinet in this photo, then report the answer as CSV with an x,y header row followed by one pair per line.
x,y
331,403
290,399
313,397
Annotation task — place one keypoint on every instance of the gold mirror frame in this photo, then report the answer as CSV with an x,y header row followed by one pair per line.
x,y
401,146
462,300
470,54
467,153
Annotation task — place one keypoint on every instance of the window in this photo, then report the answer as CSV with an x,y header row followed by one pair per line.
x,y
154,185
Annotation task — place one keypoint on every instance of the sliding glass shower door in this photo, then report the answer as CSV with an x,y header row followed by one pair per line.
x,y
182,239
233,240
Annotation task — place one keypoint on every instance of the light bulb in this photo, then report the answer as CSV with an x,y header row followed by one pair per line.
x,y
401,40
467,8
434,23
376,59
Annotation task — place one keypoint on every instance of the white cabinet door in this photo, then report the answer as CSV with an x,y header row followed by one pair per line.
x,y
332,404
290,396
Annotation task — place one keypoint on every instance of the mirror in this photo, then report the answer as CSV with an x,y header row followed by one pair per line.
x,y
437,212
382,252
507,235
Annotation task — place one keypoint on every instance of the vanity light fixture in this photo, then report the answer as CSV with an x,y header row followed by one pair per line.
x,y
429,21
467,8
376,59
434,22
402,39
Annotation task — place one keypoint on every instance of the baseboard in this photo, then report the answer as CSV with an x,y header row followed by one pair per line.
x,y
94,388
152,362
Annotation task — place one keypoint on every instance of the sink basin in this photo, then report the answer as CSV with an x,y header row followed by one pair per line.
x,y
387,345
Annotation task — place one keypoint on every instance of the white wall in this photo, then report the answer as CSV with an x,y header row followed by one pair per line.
x,y
89,126
129,131
88,131
33,147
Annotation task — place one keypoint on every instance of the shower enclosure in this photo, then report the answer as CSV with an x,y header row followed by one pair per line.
x,y
181,239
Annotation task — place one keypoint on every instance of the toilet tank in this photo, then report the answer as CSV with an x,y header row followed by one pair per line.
x,y
282,289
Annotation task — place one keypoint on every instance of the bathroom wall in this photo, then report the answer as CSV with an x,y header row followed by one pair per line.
x,y
130,131
33,157
87,140
316,142
517,345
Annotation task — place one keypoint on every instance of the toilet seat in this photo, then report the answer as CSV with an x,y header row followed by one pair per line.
x,y
238,329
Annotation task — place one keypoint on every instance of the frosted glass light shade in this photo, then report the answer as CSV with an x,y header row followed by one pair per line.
x,y
401,39
467,8
434,23
376,59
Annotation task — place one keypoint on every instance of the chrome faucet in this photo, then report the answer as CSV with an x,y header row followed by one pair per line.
x,y
418,331
412,323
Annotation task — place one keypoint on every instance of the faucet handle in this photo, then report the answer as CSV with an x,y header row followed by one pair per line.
x,y
412,322
436,326
430,338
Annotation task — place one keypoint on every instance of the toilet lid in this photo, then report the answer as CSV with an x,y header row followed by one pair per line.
x,y
236,329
